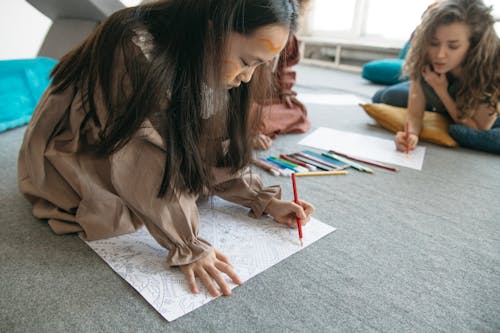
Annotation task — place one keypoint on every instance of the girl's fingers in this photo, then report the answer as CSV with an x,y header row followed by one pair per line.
x,y
222,257
217,276
299,211
287,220
189,274
308,208
207,281
306,220
402,141
229,271
400,146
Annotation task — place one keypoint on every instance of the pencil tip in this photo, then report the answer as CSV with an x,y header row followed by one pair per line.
x,y
301,242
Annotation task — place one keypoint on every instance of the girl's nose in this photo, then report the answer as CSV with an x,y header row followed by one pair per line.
x,y
247,74
441,52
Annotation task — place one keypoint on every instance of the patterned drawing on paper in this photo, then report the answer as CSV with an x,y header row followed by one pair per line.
x,y
252,245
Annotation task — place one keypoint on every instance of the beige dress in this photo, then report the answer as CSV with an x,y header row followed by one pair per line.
x,y
105,197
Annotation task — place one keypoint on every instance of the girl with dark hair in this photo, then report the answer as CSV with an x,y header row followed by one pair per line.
x,y
148,114
453,65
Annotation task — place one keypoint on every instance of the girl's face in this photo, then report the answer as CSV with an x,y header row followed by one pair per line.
x,y
448,47
245,53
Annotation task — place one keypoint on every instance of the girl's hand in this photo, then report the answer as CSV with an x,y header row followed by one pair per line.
x,y
286,212
402,141
262,142
437,81
287,99
208,269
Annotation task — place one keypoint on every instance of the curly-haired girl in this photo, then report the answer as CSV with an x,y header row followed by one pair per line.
x,y
453,66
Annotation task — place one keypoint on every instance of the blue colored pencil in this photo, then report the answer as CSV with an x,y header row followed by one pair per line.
x,y
354,165
335,162
282,170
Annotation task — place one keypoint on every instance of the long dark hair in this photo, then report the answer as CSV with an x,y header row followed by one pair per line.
x,y
175,81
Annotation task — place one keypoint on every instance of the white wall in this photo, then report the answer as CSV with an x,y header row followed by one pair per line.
x,y
22,29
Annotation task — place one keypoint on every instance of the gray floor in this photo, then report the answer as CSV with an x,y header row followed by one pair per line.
x,y
415,251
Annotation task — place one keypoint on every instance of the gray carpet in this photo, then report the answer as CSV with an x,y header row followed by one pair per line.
x,y
415,251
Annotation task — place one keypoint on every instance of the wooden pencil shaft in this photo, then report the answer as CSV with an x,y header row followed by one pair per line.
x,y
284,161
295,161
317,160
321,173
339,165
380,165
351,163
317,165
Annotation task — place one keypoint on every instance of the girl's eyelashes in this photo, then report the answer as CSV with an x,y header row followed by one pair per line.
x,y
245,64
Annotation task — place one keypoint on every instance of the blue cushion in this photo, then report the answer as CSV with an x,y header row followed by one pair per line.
x,y
404,50
384,71
22,82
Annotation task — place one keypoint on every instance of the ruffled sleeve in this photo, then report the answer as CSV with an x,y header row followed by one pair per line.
x,y
244,188
136,173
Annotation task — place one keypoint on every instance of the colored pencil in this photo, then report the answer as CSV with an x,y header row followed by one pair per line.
x,y
317,160
330,160
268,167
370,162
320,173
296,199
296,161
283,172
296,167
354,165
317,165
407,135
281,164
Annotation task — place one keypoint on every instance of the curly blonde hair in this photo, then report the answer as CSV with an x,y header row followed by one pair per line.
x,y
481,75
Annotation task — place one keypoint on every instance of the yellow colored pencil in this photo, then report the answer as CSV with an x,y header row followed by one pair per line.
x,y
321,173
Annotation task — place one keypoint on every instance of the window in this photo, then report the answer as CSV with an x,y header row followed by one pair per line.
x,y
329,16
393,19
389,20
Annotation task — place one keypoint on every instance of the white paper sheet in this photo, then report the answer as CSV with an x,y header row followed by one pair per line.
x,y
329,99
251,245
364,146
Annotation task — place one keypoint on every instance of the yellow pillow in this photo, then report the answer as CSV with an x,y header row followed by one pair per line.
x,y
435,126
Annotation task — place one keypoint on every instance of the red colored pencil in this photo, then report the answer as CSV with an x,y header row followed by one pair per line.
x,y
296,199
407,134
380,165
